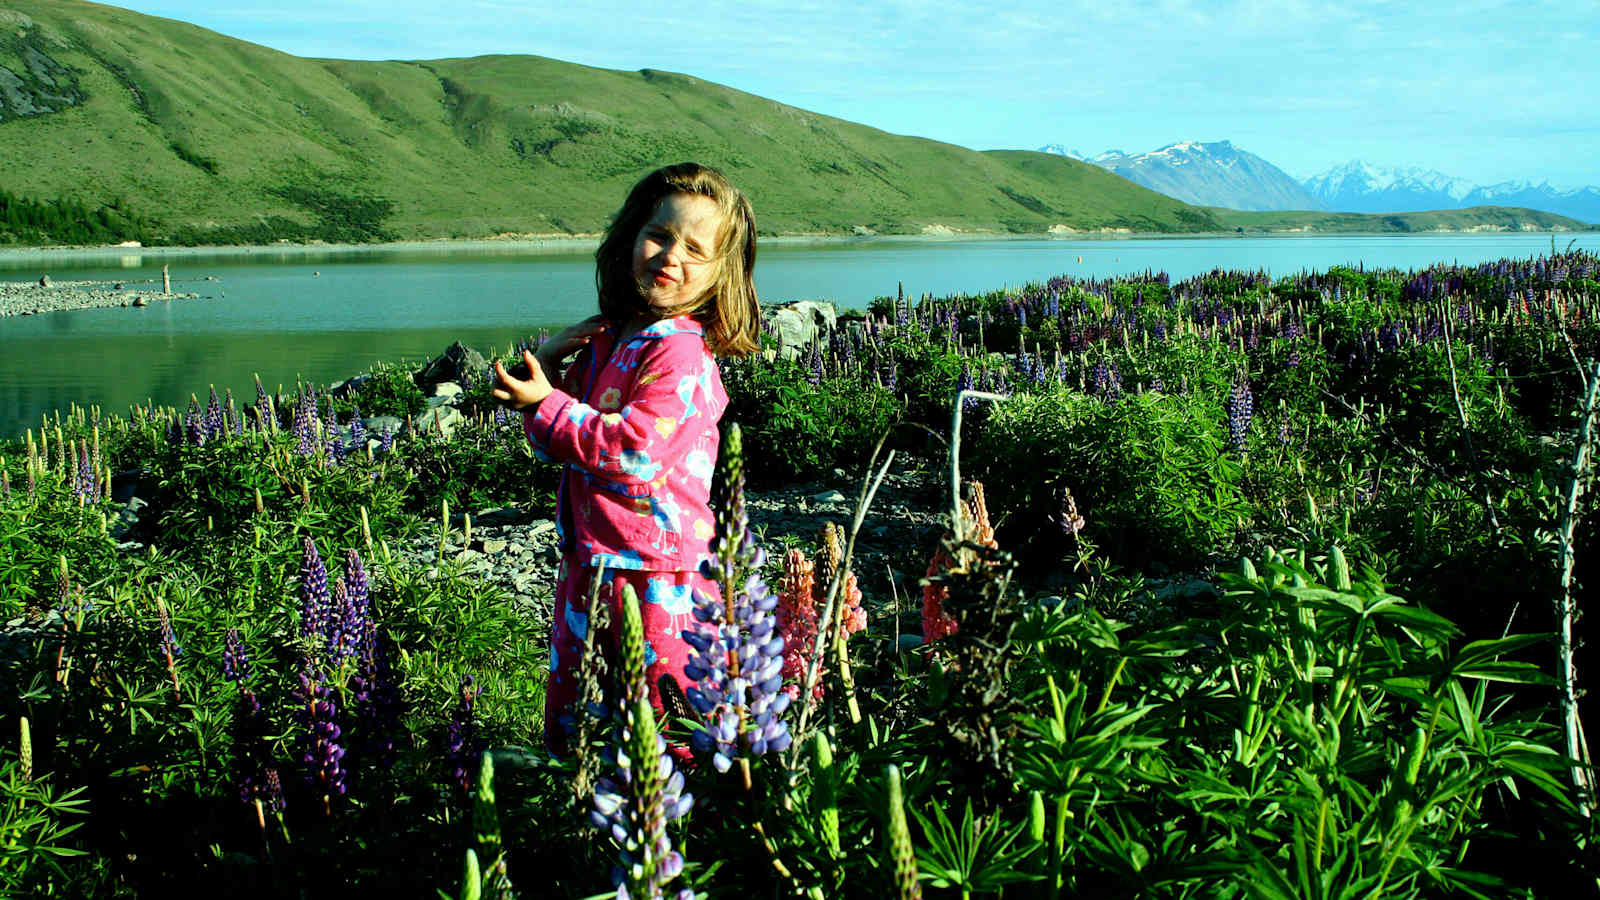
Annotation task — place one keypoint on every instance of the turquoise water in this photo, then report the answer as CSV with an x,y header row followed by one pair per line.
x,y
323,315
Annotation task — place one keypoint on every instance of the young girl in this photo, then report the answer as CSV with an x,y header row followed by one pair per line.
x,y
634,418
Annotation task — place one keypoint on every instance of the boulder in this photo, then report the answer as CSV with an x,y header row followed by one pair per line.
x,y
44,281
382,424
457,363
799,323
444,419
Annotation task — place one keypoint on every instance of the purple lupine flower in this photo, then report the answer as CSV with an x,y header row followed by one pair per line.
x,y
738,665
321,753
263,406
378,703
814,364
339,641
214,423
194,424
275,798
88,479
235,662
258,778
358,431
1240,407
461,736
315,601
305,428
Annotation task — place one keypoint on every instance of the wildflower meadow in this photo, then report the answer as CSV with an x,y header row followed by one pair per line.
x,y
1246,586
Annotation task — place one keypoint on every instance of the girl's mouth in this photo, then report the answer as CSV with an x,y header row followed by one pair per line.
x,y
662,278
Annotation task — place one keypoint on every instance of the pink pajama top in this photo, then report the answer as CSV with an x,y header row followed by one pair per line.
x,y
637,433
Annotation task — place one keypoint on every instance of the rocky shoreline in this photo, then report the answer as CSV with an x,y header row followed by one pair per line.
x,y
516,551
31,298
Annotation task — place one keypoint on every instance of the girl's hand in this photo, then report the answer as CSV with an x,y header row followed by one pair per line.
x,y
519,394
571,339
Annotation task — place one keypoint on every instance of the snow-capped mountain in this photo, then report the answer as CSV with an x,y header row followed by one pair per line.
x,y
1357,186
1209,174
1361,187
1063,150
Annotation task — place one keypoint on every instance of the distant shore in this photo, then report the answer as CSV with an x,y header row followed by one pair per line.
x,y
585,243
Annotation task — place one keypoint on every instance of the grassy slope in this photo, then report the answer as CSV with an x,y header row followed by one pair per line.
x,y
473,147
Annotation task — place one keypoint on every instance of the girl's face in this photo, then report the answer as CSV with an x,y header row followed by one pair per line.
x,y
674,260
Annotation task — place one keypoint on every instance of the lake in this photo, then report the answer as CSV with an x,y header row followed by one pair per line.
x,y
322,315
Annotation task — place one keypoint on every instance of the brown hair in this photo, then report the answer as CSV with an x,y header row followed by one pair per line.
x,y
729,310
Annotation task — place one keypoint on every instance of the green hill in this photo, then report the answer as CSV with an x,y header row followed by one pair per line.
x,y
212,139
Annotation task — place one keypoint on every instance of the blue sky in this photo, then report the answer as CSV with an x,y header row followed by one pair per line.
x,y
1481,89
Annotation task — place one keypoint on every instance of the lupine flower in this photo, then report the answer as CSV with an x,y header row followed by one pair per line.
x,y
461,735
214,423
378,703
1240,408
315,601
797,621
358,431
305,427
902,857
937,623
738,662
264,417
194,423
635,807
250,730
321,753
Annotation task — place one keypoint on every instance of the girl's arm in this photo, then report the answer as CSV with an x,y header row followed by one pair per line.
x,y
677,396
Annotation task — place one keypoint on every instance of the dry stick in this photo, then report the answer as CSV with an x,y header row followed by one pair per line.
x,y
1461,411
1566,608
869,489
957,528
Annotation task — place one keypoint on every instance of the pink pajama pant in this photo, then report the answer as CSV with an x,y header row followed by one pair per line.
x,y
666,606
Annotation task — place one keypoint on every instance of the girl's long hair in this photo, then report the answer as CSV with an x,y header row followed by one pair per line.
x,y
728,310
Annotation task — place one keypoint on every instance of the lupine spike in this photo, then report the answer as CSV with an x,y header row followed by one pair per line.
x,y
826,792
647,794
903,858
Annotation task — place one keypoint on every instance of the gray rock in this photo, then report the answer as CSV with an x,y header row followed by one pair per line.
x,y
828,497
444,420
799,323
140,301
44,281
457,361
382,424
492,546
449,390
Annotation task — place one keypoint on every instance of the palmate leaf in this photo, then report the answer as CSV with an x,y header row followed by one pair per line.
x,y
972,857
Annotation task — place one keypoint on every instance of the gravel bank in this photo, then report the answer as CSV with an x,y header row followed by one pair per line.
x,y
28,298
517,552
